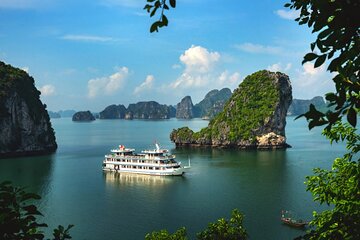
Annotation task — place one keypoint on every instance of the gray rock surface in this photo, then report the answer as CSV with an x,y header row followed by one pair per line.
x,y
83,116
25,127
185,108
300,106
254,116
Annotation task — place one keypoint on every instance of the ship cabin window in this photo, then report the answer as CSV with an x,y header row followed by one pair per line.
x,y
151,168
157,168
134,167
176,166
156,161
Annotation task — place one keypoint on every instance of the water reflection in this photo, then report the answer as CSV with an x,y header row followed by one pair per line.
x,y
34,173
131,179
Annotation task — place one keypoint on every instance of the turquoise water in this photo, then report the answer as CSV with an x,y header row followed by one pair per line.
x,y
103,205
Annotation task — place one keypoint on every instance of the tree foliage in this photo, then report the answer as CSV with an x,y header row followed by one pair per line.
x,y
18,216
153,6
337,23
179,234
222,229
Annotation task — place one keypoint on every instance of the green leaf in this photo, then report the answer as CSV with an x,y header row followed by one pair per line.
x,y
154,27
164,20
173,3
330,97
312,46
351,116
153,11
320,61
309,57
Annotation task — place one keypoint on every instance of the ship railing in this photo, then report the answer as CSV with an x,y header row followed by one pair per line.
x,y
144,164
137,157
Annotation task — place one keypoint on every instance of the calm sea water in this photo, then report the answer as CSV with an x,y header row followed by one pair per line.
x,y
103,205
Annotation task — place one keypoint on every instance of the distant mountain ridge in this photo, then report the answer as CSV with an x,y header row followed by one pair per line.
x,y
254,116
300,106
213,103
140,110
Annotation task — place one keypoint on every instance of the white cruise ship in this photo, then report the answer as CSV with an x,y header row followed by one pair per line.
x,y
150,162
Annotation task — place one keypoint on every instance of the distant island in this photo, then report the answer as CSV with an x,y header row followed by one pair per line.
x,y
209,107
254,116
25,124
300,106
140,110
83,116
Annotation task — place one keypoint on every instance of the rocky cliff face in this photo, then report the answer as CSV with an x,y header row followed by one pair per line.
x,y
54,114
140,110
300,106
148,110
113,112
254,116
83,116
212,104
25,124
184,109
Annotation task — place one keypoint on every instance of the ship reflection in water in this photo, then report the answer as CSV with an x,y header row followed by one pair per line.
x,y
130,179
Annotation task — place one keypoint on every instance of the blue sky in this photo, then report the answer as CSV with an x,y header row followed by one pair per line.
x,y
86,55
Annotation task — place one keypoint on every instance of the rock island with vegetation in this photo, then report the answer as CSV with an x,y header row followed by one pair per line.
x,y
25,124
254,116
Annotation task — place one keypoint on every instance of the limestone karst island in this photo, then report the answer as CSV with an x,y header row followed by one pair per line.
x,y
25,124
254,116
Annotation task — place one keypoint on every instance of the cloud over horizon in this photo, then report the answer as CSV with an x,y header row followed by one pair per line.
x,y
107,85
279,67
258,48
87,38
201,73
47,90
146,85
288,15
309,81
199,62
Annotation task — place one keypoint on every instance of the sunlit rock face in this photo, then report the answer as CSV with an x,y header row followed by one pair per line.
x,y
254,116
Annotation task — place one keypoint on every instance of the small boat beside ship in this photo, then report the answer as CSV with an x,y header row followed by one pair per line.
x,y
150,162
287,217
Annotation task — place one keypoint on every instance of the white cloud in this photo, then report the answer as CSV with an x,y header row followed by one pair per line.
x,y
199,59
47,90
229,80
176,66
107,85
309,81
279,67
199,65
289,15
146,85
26,69
87,38
188,80
258,48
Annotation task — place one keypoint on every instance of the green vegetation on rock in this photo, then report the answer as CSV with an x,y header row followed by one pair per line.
x,y
257,107
25,124
14,79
